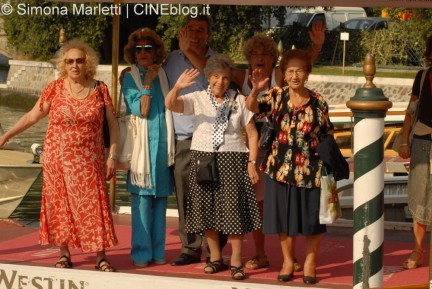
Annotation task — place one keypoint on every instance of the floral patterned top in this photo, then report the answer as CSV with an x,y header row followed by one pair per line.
x,y
292,157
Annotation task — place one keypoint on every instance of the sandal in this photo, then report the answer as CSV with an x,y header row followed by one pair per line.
x,y
237,273
64,262
256,263
104,266
215,266
411,262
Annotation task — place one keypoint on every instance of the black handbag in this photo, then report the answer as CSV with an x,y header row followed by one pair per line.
x,y
106,133
267,136
207,172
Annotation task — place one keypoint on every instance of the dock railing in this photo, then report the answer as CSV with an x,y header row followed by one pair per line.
x,y
343,120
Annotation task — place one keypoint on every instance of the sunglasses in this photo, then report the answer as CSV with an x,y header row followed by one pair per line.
x,y
77,60
147,48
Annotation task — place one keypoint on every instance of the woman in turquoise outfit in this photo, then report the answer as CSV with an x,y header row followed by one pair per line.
x,y
149,180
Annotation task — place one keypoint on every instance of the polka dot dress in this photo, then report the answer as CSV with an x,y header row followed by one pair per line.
x,y
230,206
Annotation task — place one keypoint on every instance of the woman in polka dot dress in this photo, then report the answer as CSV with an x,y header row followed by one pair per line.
x,y
230,206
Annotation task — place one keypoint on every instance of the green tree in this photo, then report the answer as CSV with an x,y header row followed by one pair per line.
x,y
35,35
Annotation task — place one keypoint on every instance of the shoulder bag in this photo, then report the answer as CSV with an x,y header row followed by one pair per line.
x,y
106,133
127,136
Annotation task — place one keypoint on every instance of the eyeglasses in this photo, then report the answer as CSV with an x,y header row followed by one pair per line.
x,y
299,72
77,60
147,48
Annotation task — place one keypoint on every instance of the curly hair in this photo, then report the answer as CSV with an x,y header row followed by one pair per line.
x,y
296,54
218,62
92,58
428,50
144,34
262,41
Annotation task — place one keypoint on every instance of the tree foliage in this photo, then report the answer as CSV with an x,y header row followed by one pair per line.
x,y
35,36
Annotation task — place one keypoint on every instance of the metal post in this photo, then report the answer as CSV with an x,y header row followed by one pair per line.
x,y
369,107
343,57
114,85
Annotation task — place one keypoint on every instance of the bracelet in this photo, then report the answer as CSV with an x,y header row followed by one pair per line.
x,y
145,92
147,87
252,161
403,144
112,156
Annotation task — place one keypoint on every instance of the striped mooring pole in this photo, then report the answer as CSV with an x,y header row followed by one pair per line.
x,y
369,107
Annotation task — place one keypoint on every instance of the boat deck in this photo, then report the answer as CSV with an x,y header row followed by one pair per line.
x,y
21,256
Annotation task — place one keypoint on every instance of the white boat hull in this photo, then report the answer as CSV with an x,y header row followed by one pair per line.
x,y
17,175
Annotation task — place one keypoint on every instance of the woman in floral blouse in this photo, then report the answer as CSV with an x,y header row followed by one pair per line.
x,y
292,166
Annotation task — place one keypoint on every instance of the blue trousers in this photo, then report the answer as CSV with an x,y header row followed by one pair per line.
x,y
148,228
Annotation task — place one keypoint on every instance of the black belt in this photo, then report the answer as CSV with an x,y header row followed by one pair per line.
x,y
424,137
189,138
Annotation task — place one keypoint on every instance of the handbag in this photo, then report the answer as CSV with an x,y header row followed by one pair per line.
x,y
127,136
207,171
330,209
414,118
106,133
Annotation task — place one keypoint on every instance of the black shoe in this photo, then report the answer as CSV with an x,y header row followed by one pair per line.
x,y
185,259
285,277
309,280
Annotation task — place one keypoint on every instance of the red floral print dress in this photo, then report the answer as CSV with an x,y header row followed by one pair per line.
x,y
75,207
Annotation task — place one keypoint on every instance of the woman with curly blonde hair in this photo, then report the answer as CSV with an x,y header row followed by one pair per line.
x,y
149,180
75,207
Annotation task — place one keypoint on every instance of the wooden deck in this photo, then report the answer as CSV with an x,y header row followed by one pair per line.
x,y
21,258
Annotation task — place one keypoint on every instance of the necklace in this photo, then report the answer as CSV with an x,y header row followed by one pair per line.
x,y
299,99
78,94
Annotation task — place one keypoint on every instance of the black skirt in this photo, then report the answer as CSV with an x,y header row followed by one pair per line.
x,y
229,207
291,210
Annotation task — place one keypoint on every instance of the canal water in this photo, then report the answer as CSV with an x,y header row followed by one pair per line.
x,y
11,109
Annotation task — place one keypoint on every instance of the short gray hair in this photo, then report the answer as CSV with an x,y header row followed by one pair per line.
x,y
218,62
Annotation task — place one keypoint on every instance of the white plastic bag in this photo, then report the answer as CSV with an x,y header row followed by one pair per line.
x,y
330,209
126,141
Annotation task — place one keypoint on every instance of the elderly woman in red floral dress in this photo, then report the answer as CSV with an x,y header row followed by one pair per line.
x,y
75,205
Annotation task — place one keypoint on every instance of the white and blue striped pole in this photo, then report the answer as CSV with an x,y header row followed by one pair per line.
x,y
369,107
